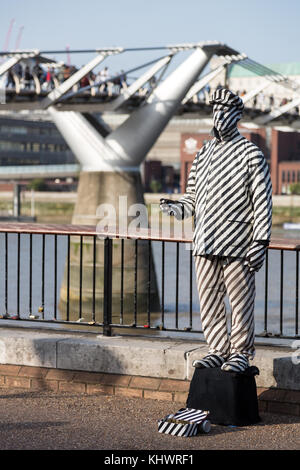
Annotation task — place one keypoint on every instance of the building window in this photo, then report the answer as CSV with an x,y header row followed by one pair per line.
x,y
283,176
293,176
288,177
10,145
298,176
14,129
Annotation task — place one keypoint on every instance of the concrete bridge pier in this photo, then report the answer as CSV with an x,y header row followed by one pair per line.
x,y
95,189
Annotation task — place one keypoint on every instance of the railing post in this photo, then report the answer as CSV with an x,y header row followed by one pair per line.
x,y
107,300
17,200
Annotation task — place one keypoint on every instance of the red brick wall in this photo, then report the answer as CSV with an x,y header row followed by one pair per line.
x,y
288,145
6,186
59,380
189,146
285,157
292,175
274,162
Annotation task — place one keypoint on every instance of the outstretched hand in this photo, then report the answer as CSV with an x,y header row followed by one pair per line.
x,y
170,207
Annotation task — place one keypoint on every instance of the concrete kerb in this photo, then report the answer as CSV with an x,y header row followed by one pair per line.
x,y
131,355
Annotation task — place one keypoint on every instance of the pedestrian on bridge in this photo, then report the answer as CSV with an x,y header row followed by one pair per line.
x,y
10,79
229,193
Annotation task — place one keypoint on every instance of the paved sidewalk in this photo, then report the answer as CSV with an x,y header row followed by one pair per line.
x,y
45,420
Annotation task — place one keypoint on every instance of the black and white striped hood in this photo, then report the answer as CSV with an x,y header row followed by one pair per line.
x,y
227,111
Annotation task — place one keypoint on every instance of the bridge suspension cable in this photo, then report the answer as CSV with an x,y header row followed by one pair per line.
x,y
171,47
269,74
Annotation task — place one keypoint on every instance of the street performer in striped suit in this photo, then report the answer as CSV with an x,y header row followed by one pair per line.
x,y
229,193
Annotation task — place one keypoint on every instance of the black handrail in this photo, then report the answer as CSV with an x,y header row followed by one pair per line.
x,y
103,315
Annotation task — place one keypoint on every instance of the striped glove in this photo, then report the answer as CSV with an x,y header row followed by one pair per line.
x,y
256,255
171,207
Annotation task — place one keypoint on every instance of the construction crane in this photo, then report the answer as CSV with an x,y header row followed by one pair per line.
x,y
18,41
8,35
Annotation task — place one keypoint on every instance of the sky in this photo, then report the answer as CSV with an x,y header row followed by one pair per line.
x,y
266,30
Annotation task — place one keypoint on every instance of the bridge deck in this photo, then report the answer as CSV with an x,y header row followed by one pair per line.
x,y
100,102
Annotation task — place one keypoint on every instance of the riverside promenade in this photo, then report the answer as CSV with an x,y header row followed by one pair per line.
x,y
119,425
76,390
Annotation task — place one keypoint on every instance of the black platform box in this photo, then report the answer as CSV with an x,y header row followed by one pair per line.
x,y
230,397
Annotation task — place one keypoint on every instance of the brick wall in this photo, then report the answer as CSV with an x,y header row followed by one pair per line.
x,y
59,380
42,378
190,144
285,158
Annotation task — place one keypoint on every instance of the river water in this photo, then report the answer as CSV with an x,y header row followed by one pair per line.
x,y
273,306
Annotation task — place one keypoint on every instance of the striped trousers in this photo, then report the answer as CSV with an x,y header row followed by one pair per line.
x,y
215,279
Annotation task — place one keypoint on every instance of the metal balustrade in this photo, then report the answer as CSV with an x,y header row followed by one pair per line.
x,y
40,263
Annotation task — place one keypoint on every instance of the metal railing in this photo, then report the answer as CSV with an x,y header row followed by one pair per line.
x,y
68,275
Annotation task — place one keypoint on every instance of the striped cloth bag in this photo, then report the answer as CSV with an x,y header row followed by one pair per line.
x,y
186,422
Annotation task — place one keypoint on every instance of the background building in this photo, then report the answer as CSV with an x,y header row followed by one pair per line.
x,y
285,161
29,146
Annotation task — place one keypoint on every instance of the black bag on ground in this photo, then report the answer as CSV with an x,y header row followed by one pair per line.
x,y
230,397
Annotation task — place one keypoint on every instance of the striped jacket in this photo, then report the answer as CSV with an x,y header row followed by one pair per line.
x,y
229,192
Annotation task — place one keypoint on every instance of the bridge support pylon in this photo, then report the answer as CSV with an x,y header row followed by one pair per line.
x,y
110,169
